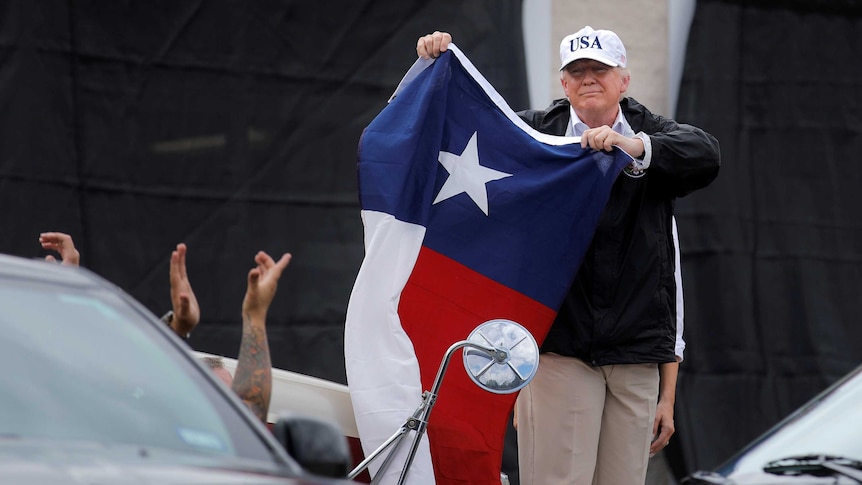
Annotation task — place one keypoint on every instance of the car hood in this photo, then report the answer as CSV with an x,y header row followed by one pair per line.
x,y
755,478
85,463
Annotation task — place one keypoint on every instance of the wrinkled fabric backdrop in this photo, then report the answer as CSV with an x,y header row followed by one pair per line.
x,y
233,127
772,250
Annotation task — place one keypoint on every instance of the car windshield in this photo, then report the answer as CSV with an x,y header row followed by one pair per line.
x,y
78,363
827,426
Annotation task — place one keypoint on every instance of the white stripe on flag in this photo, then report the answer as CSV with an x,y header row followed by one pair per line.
x,y
382,369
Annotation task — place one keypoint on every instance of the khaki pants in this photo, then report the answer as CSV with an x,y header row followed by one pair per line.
x,y
582,425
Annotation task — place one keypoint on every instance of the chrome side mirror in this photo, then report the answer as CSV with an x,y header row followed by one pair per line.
x,y
500,356
510,366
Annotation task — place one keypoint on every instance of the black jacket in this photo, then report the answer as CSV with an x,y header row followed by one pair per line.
x,y
621,307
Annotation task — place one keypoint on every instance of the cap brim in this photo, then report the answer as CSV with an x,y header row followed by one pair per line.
x,y
589,55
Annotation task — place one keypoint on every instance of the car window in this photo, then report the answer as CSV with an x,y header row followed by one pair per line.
x,y
82,364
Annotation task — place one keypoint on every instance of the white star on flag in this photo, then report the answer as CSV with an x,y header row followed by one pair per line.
x,y
466,175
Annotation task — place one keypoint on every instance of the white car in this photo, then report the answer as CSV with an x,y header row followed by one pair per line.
x,y
819,443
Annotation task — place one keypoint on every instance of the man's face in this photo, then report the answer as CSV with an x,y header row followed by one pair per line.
x,y
593,88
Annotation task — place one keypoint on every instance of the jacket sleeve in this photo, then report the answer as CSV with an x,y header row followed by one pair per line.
x,y
684,157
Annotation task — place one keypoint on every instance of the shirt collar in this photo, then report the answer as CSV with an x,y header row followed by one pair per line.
x,y
578,127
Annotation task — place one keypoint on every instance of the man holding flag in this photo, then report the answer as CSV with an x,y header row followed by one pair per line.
x,y
470,214
602,399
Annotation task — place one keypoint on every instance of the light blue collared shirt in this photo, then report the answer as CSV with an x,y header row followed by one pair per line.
x,y
621,126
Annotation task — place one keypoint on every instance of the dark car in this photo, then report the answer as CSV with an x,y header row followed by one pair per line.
x,y
95,389
819,443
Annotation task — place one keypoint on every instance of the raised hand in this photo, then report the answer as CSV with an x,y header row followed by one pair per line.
x,y
253,377
61,243
187,313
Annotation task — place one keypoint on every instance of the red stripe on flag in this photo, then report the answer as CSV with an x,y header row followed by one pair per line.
x,y
441,304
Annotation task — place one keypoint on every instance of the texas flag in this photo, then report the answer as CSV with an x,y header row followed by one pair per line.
x,y
469,216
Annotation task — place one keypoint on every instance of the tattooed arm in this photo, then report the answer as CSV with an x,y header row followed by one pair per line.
x,y
253,376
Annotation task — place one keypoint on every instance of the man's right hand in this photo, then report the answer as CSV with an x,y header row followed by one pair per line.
x,y
262,283
432,45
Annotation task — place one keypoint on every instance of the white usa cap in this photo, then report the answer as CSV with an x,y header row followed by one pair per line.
x,y
599,45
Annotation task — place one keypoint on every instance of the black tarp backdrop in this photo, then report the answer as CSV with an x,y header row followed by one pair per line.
x,y
231,126
772,251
